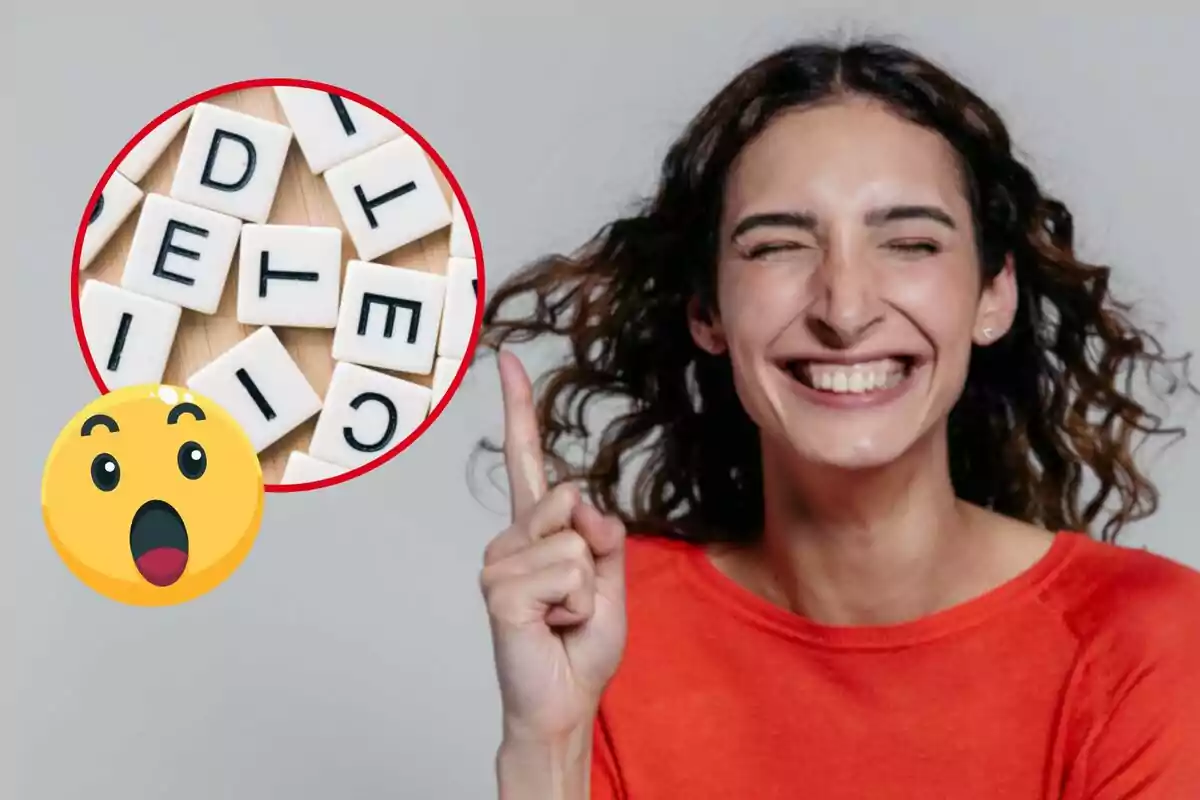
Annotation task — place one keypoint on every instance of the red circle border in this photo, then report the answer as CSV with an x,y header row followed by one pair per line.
x,y
256,83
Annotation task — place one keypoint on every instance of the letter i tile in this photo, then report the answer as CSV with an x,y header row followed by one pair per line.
x,y
261,386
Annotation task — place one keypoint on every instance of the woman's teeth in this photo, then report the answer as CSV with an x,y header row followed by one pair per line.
x,y
868,376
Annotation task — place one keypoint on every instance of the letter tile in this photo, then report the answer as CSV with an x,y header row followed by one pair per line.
x,y
331,129
129,336
289,275
461,243
388,197
444,370
231,163
458,320
303,468
260,385
116,202
389,317
181,253
365,414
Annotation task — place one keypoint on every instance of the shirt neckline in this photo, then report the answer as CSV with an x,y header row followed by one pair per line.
x,y
752,608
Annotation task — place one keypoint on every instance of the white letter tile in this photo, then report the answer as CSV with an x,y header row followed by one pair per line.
x,y
366,413
458,320
231,163
259,384
461,243
444,370
389,317
128,335
332,129
388,197
181,253
303,468
289,275
116,202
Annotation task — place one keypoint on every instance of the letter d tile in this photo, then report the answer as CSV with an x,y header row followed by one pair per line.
x,y
231,163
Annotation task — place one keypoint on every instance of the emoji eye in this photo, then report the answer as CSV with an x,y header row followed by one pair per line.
x,y
106,472
192,460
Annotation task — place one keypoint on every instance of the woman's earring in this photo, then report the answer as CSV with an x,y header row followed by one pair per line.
x,y
987,334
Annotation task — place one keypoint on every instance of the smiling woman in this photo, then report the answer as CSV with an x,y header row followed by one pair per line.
x,y
871,378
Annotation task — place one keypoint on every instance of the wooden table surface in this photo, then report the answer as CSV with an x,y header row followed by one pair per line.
x,y
302,199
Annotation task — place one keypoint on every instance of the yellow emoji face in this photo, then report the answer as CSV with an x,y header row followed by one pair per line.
x,y
152,495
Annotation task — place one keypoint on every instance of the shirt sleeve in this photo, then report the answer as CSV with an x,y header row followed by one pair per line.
x,y
606,776
1145,741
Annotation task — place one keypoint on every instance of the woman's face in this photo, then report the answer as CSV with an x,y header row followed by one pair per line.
x,y
848,288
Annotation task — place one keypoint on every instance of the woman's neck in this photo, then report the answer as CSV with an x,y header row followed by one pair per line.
x,y
863,547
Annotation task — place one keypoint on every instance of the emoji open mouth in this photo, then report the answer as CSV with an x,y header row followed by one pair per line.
x,y
159,542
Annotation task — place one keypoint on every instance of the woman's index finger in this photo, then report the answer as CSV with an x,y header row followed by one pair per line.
x,y
522,444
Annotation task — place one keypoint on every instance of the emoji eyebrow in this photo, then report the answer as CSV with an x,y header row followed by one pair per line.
x,y
98,419
184,408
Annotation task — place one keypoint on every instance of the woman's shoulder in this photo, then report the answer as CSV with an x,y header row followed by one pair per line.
x,y
650,557
665,580
1134,574
1119,598
1137,686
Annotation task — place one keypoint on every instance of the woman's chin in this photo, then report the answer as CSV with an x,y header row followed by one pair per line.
x,y
849,451
854,461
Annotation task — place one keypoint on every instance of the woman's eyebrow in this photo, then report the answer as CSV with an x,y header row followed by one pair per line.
x,y
806,221
776,219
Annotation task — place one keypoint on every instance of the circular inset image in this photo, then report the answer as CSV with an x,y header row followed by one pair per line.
x,y
294,252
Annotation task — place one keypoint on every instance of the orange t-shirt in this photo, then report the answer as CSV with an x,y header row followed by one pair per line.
x,y
1078,680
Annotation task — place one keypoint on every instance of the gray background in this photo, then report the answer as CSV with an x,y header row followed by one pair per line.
x,y
349,657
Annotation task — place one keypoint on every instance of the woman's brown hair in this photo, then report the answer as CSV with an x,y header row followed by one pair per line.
x,y
1044,408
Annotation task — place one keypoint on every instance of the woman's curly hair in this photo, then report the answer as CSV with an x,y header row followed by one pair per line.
x,y
1044,407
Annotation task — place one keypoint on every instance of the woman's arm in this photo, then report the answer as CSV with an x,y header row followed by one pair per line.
x,y
552,770
1144,743
554,584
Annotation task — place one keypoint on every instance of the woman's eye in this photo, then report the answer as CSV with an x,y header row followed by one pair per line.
x,y
915,247
770,248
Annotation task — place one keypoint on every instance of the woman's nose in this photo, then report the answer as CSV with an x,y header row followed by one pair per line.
x,y
847,302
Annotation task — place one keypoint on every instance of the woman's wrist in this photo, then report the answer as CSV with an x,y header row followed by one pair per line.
x,y
545,768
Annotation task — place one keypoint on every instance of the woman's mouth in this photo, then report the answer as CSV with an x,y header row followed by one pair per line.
x,y
852,383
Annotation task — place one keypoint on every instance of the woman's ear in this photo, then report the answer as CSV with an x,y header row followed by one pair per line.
x,y
997,305
705,327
